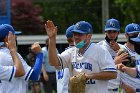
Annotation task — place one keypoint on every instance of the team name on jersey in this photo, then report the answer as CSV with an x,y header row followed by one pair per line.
x,y
90,81
84,65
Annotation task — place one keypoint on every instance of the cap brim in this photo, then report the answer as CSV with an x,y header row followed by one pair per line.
x,y
133,32
136,39
18,32
115,29
1,43
79,31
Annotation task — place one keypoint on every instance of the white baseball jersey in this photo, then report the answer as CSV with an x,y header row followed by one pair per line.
x,y
17,85
7,72
94,60
133,82
63,76
114,83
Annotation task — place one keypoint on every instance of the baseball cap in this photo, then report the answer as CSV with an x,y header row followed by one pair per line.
x,y
137,39
132,28
112,24
69,33
83,27
4,30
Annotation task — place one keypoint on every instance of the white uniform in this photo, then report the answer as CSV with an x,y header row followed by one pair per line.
x,y
16,85
94,60
113,85
133,82
7,72
63,76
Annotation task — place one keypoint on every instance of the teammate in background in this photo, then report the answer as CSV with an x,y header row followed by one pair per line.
x,y
34,86
131,31
18,84
85,57
49,72
17,70
112,30
63,75
134,72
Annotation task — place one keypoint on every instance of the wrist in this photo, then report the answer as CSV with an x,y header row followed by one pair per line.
x,y
12,50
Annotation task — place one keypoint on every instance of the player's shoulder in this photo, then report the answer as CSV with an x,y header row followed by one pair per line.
x,y
101,42
96,46
44,48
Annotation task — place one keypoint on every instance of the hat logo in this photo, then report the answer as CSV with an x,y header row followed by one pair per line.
x,y
112,24
136,28
78,26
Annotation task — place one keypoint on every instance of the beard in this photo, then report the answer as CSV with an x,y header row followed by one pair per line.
x,y
108,40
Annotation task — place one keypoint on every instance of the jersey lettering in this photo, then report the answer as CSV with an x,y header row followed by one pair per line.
x,y
90,81
82,65
60,74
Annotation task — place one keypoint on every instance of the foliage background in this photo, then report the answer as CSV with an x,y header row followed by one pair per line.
x,y
29,16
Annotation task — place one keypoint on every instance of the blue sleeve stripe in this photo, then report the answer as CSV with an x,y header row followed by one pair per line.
x,y
12,74
109,69
28,74
61,62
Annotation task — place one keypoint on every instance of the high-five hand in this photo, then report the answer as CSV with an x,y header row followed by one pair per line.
x,y
51,29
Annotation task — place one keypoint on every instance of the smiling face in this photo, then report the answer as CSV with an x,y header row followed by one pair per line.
x,y
78,37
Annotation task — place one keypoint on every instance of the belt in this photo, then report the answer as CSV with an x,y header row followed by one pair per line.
x,y
116,89
137,90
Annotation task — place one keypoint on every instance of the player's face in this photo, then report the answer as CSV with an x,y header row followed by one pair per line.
x,y
133,34
78,37
111,34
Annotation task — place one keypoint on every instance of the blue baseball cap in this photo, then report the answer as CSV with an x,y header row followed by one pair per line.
x,y
83,27
132,28
112,24
137,39
4,30
69,33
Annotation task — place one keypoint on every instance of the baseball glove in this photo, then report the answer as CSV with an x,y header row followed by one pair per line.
x,y
77,84
131,59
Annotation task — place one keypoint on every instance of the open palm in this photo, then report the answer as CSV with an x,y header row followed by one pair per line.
x,y
51,29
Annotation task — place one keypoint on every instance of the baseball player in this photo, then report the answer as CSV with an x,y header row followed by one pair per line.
x,y
112,29
9,72
134,72
18,84
63,75
85,57
131,31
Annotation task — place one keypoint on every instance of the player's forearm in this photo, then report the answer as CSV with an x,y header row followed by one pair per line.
x,y
52,53
17,63
130,71
105,75
127,88
37,67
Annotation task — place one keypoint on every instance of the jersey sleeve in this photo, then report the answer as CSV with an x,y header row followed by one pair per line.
x,y
27,68
65,58
106,61
7,72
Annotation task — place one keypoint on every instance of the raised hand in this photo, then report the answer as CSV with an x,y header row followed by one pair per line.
x,y
51,29
11,42
36,48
